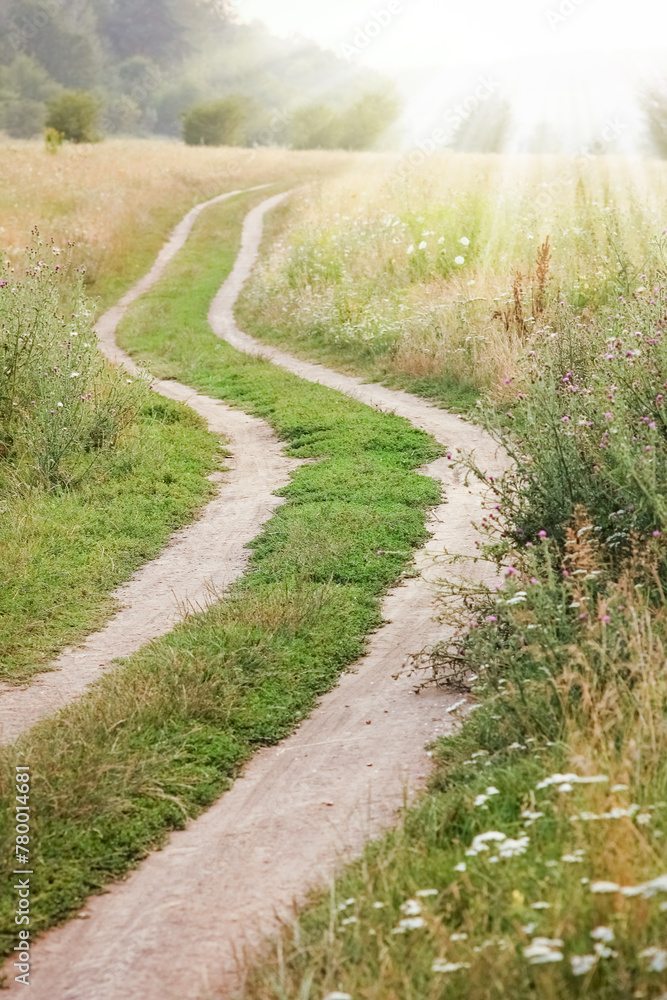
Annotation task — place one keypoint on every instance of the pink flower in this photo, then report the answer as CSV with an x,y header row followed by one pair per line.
x,y
511,571
543,534
656,534
605,619
491,618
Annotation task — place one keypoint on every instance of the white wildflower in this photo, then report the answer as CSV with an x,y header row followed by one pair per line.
x,y
543,950
464,241
459,937
422,245
409,924
461,867
644,819
604,887
411,908
540,906
349,920
581,964
423,893
513,848
658,959
75,374
459,260
441,965
603,934
378,905
482,840
337,995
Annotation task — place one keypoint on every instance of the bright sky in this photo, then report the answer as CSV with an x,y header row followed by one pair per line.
x,y
575,63
464,31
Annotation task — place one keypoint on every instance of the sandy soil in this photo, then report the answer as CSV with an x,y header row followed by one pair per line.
x,y
179,926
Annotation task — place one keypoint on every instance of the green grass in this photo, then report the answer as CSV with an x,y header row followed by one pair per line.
x,y
313,341
159,739
64,551
565,697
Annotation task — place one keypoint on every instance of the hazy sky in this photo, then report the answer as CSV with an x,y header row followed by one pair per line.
x,y
465,31
575,65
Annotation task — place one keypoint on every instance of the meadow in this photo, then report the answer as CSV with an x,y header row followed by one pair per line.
x,y
531,295
536,865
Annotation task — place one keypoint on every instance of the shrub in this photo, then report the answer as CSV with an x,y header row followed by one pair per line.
x,y
75,113
222,122
60,402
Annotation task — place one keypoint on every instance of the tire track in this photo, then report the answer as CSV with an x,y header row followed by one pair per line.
x,y
179,926
198,563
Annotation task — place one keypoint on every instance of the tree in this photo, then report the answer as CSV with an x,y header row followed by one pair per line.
x,y
315,126
366,121
22,118
141,28
483,128
223,122
75,114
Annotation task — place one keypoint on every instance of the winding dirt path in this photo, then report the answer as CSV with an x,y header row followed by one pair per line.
x,y
177,927
199,562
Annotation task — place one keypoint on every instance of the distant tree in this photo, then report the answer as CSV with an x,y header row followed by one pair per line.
x,y
316,126
29,80
75,114
142,27
69,55
654,104
364,123
483,128
222,122
22,118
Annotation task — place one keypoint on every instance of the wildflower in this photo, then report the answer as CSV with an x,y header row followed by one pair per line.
x,y
411,248
464,241
658,959
441,240
349,920
409,924
337,995
542,534
656,534
440,965
461,867
459,937
540,906
423,893
459,260
422,245
603,934
378,905
513,848
60,406
411,908
602,887
581,964
543,950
